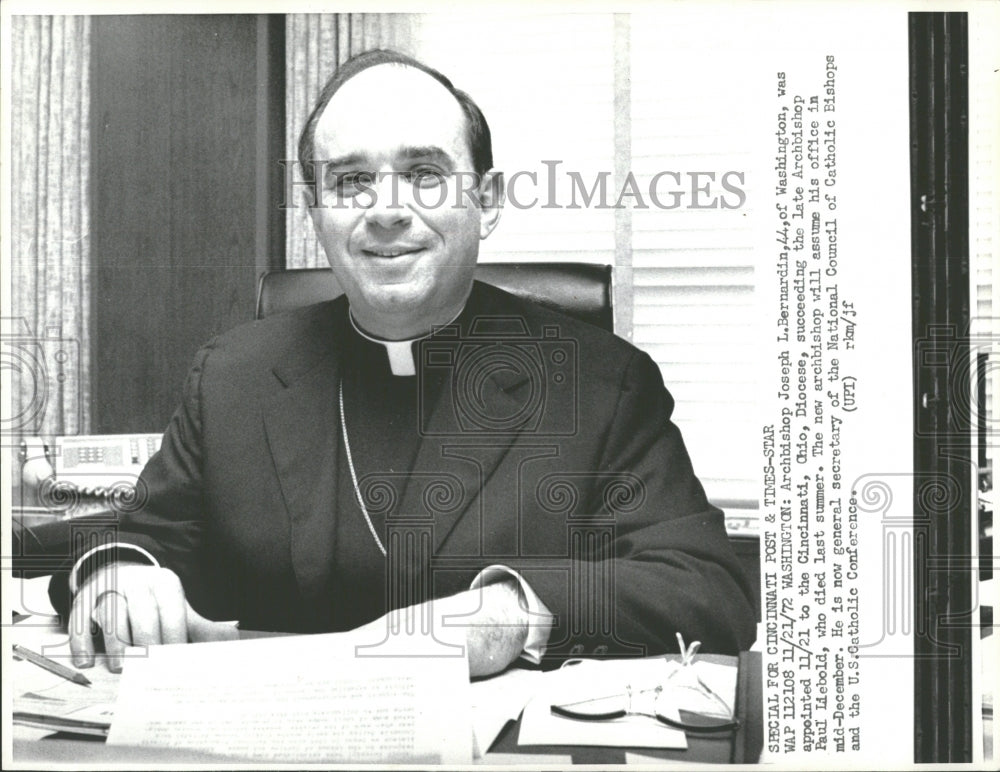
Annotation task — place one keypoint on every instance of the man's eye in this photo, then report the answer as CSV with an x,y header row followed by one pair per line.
x,y
352,183
424,177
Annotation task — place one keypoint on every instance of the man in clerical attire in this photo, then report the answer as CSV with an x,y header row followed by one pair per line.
x,y
421,437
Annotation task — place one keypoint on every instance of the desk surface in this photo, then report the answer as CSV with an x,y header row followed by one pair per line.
x,y
744,746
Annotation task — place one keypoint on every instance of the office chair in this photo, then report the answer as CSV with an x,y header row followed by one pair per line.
x,y
581,290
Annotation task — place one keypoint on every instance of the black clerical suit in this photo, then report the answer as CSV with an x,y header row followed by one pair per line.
x,y
526,439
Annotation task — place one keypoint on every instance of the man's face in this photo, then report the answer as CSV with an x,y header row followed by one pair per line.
x,y
400,221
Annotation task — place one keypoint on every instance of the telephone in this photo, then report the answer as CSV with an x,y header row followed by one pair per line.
x,y
93,464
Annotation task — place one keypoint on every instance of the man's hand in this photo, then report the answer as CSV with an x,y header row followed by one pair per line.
x,y
492,621
134,604
498,629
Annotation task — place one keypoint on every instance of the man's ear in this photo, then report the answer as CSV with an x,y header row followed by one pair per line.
x,y
491,198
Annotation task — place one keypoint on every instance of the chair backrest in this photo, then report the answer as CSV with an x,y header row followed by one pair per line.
x,y
581,290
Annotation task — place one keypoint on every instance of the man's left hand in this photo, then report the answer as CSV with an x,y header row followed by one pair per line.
x,y
494,617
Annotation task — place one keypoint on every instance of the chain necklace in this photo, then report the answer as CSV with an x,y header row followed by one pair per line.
x,y
354,476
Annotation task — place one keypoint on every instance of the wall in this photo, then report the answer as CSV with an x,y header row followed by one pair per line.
x,y
185,111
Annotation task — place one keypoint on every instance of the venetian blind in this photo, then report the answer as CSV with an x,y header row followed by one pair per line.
x,y
693,268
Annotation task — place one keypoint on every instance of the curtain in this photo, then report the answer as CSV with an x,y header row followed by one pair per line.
x,y
47,340
315,44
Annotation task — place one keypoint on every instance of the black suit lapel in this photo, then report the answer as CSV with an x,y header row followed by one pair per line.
x,y
460,465
302,426
471,397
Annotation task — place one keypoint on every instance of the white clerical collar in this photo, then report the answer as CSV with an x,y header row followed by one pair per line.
x,y
400,352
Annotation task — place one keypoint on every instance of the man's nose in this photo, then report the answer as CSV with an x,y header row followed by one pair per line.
x,y
387,209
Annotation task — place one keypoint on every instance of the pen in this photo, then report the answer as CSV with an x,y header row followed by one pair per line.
x,y
51,666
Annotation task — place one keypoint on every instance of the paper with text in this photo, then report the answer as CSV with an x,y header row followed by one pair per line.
x,y
53,701
312,698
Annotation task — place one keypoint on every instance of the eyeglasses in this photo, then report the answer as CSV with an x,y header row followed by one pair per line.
x,y
637,702
660,702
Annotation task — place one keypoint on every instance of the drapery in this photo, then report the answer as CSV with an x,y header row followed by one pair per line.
x,y
316,44
47,333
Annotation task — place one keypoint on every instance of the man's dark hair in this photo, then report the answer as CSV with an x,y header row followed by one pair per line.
x,y
477,130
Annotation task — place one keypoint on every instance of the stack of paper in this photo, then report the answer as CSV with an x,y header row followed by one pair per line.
x,y
49,702
317,698
500,699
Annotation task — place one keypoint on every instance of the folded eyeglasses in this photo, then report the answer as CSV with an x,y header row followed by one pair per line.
x,y
656,701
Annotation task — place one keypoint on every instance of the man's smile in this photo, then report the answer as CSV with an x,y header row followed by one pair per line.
x,y
397,251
